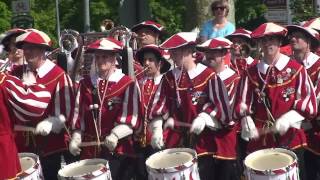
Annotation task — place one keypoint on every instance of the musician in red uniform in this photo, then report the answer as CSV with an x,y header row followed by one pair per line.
x,y
148,32
151,57
304,41
194,95
106,112
240,50
225,156
275,97
17,98
15,56
49,142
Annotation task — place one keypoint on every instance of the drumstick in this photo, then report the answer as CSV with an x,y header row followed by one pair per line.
x,y
92,143
170,123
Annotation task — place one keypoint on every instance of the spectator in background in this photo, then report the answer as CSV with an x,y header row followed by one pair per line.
x,y
219,26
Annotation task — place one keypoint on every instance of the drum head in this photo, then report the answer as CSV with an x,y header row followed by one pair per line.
x,y
26,163
83,167
269,159
170,158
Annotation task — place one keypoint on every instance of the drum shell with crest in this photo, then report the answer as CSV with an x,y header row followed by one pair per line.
x,y
271,164
30,166
87,169
173,164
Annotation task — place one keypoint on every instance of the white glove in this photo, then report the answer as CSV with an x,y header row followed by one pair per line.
x,y
157,133
75,143
198,125
44,128
248,129
28,78
290,119
117,133
203,120
169,123
52,123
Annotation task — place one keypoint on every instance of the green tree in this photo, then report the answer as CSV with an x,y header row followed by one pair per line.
x,y
302,10
249,14
5,15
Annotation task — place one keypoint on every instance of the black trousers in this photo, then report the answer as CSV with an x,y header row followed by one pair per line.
x,y
301,163
122,167
52,164
142,154
312,165
211,168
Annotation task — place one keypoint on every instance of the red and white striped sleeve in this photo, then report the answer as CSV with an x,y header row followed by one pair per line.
x,y
26,101
305,102
63,97
218,107
130,106
243,98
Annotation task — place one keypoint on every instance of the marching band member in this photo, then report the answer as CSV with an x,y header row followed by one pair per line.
x,y
314,24
106,111
183,95
151,57
274,97
240,50
148,32
17,98
216,50
15,56
304,41
49,143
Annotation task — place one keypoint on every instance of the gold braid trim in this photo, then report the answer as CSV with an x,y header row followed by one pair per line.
x,y
277,85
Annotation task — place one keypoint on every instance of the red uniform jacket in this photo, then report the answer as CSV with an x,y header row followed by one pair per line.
x,y
241,65
186,94
118,100
16,98
312,64
60,86
287,87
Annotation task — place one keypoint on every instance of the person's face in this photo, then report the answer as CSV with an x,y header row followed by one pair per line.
x,y
270,45
33,53
178,55
146,37
219,11
14,53
152,64
105,60
298,41
215,58
237,43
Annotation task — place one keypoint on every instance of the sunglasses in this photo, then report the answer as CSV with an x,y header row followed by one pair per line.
x,y
218,8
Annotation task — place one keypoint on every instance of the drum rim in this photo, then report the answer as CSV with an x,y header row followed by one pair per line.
x,y
32,169
272,171
173,168
95,173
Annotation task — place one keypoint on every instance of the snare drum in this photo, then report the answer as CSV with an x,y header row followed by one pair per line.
x,y
88,169
30,166
176,163
271,164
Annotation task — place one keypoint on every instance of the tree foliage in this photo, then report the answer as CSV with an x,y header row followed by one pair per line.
x,y
249,14
302,10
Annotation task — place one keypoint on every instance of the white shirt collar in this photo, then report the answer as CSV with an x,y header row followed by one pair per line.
x,y
114,77
226,73
281,63
156,80
310,60
45,68
249,60
196,71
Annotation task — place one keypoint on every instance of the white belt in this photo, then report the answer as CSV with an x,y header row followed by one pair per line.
x,y
24,128
91,143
